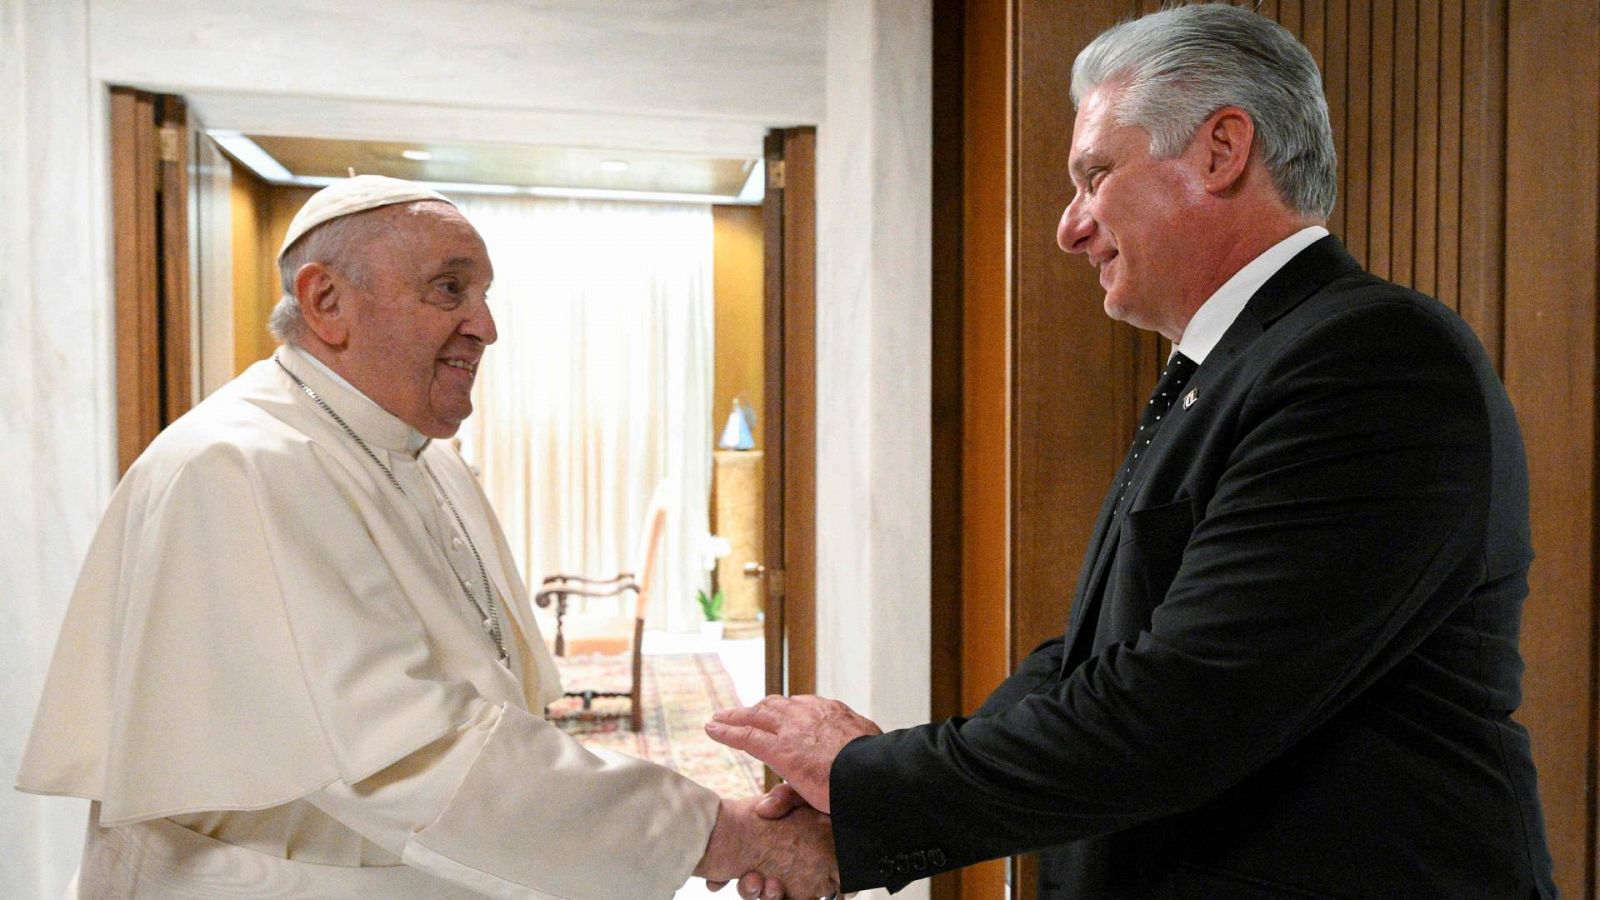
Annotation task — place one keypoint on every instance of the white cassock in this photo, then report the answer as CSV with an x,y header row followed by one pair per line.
x,y
270,682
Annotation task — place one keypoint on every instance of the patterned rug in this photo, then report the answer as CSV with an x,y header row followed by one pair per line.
x,y
680,693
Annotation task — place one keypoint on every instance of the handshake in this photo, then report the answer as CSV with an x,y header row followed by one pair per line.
x,y
781,845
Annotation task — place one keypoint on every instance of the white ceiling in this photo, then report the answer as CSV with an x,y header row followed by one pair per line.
x,y
696,77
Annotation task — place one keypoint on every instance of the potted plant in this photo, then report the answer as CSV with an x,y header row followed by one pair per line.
x,y
711,608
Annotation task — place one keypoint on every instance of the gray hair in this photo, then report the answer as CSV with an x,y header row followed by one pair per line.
x,y
1176,67
334,243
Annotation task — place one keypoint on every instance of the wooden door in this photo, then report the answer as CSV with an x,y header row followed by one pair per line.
x,y
790,436
972,279
150,232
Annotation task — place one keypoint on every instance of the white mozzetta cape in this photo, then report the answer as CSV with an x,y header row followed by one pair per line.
x,y
263,615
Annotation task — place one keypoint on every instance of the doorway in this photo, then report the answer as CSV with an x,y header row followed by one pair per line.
x,y
769,645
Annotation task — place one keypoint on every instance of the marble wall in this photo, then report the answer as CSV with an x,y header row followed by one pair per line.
x,y
874,359
705,76
56,408
874,363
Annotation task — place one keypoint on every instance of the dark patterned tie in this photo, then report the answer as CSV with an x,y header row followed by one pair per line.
x,y
1176,375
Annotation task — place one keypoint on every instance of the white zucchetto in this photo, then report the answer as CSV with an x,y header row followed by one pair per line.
x,y
352,195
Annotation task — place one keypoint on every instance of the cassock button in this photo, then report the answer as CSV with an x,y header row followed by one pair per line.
x,y
885,867
919,860
902,864
936,857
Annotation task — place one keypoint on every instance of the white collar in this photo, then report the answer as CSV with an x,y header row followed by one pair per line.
x,y
375,424
1212,320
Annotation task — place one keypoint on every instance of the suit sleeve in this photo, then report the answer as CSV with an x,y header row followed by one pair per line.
x,y
1349,511
1037,670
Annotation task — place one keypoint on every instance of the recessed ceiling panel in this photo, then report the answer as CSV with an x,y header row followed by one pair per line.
x,y
518,166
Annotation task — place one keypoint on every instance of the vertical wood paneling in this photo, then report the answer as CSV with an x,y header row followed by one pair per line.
x,y
1066,411
1289,15
134,166
1426,234
1483,171
1313,31
176,322
1059,324
1449,277
1357,149
1551,213
799,416
984,335
1380,135
1401,202
986,323
949,532
1334,79
772,221
947,225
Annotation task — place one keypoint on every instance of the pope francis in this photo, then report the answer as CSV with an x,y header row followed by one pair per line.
x,y
299,661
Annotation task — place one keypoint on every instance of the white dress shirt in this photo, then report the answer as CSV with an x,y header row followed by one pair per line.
x,y
1212,320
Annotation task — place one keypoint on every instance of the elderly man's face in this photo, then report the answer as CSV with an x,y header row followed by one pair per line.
x,y
1129,217
419,327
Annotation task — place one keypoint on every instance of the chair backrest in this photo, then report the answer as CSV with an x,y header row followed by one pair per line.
x,y
648,552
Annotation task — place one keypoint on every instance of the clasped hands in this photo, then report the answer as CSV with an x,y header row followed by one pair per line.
x,y
782,843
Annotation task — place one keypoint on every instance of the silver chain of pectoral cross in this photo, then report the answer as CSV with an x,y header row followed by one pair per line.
x,y
487,611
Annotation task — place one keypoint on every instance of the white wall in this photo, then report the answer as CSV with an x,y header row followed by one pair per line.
x,y
873,346
662,74
56,409
874,362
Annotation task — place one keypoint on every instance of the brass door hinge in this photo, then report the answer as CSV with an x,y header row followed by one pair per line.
x,y
171,144
775,175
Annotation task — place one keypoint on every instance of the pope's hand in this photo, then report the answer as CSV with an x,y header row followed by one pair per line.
x,y
794,853
798,737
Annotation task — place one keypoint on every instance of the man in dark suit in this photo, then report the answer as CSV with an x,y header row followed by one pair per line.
x,y
1292,659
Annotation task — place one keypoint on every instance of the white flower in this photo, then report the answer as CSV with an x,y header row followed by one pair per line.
x,y
713,548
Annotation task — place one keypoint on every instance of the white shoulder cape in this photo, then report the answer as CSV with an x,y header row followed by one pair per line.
x,y
260,614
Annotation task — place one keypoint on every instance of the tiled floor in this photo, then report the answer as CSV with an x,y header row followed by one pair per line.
x,y
744,661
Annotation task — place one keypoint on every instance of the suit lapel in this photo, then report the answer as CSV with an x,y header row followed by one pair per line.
x,y
1101,543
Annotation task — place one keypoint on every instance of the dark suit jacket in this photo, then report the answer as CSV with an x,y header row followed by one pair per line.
x,y
1291,666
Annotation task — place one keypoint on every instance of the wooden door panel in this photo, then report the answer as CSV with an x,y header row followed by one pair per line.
x,y
150,261
790,437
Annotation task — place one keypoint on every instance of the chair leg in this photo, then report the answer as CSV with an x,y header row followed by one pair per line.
x,y
637,718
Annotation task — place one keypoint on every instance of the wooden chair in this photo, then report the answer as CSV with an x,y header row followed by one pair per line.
x,y
580,633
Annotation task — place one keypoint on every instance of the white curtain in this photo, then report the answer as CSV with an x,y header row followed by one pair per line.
x,y
599,389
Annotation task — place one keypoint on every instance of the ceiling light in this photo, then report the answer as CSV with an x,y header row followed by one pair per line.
x,y
613,165
417,155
